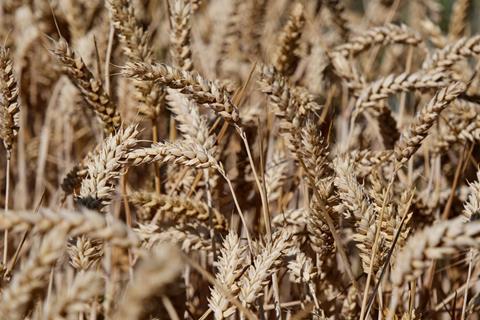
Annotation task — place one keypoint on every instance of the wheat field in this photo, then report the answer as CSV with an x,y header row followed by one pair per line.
x,y
229,159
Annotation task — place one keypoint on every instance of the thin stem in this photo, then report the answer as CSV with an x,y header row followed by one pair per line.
x,y
155,164
263,196
465,296
403,97
108,56
7,194
167,303
128,218
209,210
242,217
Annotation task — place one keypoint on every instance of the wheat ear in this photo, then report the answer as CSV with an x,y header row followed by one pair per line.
x,y
459,18
286,57
104,169
229,265
435,242
444,58
33,277
382,35
178,209
337,8
412,138
180,22
264,264
10,113
163,265
89,223
201,90
69,303
10,106
91,89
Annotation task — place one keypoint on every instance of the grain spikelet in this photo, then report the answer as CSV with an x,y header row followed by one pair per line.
x,y
471,210
85,253
190,122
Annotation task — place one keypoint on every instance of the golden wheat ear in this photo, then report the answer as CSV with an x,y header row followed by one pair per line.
x,y
10,109
91,89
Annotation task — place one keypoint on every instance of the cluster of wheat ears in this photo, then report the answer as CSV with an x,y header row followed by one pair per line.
x,y
239,159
